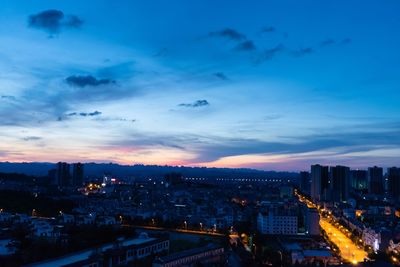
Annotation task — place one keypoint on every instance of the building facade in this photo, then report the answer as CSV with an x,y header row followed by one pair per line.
x,y
319,182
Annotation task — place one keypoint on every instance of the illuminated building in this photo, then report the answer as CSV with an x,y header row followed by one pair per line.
x,y
278,220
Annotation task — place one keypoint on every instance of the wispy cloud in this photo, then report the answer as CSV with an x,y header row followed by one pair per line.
x,y
228,33
32,138
162,52
268,29
327,42
245,46
302,52
196,104
346,41
220,75
270,53
84,114
8,97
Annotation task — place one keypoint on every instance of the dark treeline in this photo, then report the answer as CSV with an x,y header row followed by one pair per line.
x,y
141,171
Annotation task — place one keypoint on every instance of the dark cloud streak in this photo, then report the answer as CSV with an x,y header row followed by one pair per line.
x,y
53,21
221,76
228,33
88,80
198,103
245,46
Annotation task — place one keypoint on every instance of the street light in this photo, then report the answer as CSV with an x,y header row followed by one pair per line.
x,y
201,226
185,223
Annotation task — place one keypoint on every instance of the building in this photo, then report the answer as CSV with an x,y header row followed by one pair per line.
x,y
211,255
393,175
359,179
278,220
312,222
42,228
371,238
63,176
305,185
340,183
319,182
375,180
122,253
77,174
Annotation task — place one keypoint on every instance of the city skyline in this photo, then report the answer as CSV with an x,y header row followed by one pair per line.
x,y
202,84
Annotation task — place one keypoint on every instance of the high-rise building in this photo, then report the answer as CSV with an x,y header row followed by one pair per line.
x,y
319,182
359,179
393,175
305,185
375,180
77,174
63,174
340,183
52,175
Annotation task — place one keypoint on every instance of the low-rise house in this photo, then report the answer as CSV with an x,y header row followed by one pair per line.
x,y
22,218
106,220
67,218
5,217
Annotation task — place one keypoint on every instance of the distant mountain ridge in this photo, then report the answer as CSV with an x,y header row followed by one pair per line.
x,y
98,169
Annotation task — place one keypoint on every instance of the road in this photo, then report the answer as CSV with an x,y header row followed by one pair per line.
x,y
348,250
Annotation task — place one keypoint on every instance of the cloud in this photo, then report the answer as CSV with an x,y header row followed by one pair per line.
x,y
162,52
198,103
220,75
272,117
31,138
88,80
85,114
116,119
245,46
346,41
228,33
339,143
73,21
9,97
268,29
270,53
302,52
327,42
53,21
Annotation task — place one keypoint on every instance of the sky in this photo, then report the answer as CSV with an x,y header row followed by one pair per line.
x,y
273,85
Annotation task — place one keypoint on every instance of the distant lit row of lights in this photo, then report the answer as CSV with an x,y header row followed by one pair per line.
x,y
238,180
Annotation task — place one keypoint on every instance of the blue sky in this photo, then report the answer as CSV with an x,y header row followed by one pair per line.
x,y
269,85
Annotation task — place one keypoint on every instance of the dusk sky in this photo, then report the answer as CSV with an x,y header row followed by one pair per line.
x,y
275,85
